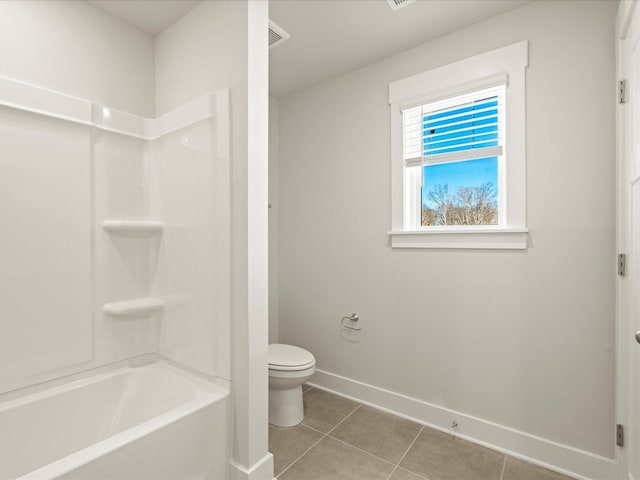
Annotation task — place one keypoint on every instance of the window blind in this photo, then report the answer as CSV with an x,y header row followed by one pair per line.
x,y
459,128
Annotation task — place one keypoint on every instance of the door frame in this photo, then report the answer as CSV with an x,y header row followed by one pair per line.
x,y
624,302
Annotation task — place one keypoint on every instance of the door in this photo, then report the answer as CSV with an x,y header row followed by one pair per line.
x,y
628,140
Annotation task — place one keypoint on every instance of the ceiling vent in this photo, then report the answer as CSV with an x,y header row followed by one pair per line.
x,y
277,35
398,4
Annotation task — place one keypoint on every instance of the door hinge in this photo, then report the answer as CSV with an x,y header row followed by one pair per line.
x,y
620,435
622,91
622,264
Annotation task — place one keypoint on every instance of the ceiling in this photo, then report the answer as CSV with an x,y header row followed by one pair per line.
x,y
331,37
151,16
328,37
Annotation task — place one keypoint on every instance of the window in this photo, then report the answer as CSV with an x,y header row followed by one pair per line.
x,y
458,154
456,148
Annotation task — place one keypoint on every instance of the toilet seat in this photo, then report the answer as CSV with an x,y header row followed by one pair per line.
x,y
287,358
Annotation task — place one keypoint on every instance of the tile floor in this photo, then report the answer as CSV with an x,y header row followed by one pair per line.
x,y
342,439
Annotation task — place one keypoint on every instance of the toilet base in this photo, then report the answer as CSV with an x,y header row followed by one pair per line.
x,y
286,408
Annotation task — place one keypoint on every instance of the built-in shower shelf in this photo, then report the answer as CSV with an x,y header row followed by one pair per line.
x,y
133,227
135,307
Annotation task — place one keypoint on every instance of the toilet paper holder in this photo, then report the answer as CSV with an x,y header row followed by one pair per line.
x,y
351,318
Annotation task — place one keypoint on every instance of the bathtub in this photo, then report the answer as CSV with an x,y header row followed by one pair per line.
x,y
154,421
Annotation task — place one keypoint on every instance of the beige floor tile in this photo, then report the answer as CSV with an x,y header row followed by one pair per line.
x,y
288,443
323,410
516,469
305,387
402,474
440,456
331,459
383,434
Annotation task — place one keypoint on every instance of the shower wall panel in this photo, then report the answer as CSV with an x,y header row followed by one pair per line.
x,y
45,246
190,192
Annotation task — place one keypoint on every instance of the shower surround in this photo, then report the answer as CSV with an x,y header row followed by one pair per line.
x,y
117,226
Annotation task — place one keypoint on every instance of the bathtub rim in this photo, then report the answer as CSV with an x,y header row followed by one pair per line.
x,y
208,391
107,370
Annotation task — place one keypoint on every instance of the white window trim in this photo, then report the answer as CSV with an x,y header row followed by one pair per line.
x,y
503,65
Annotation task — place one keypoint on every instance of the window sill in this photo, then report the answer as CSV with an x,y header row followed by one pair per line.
x,y
469,238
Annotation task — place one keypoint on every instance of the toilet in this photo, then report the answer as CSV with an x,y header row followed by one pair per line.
x,y
289,368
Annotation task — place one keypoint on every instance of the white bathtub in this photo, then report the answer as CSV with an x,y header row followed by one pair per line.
x,y
155,421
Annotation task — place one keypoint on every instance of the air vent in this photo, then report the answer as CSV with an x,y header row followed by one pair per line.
x,y
277,35
398,4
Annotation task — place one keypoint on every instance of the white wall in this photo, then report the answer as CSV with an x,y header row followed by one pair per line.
x,y
75,48
65,180
217,45
274,212
204,51
522,339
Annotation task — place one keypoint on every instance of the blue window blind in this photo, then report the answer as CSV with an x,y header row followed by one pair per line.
x,y
463,127
459,128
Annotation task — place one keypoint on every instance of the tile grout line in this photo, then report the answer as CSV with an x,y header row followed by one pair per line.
x,y
344,419
324,435
504,464
421,477
372,454
361,450
353,446
405,453
409,447
328,434
413,473
301,455
392,470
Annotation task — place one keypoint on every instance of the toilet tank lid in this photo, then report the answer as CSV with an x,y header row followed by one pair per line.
x,y
288,355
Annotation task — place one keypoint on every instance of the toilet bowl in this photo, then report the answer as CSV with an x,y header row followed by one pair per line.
x,y
289,368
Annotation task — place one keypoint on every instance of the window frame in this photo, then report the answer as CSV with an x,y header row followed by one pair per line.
x,y
505,66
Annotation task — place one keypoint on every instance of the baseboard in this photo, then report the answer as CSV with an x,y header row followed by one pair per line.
x,y
554,456
261,470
